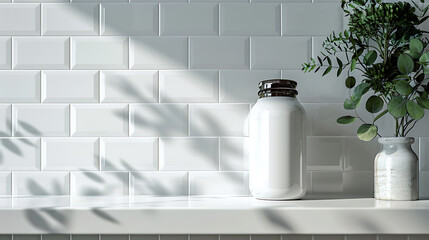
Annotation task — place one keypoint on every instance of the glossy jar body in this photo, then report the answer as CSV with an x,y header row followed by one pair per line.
x,y
277,149
396,170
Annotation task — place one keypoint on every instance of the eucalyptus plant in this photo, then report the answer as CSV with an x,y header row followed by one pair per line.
x,y
384,43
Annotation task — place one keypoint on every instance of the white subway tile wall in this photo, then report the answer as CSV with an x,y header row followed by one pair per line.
x,y
212,237
151,97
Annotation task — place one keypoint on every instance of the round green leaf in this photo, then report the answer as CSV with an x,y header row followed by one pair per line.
x,y
424,103
367,132
346,119
351,103
397,107
350,82
416,45
414,55
361,89
403,88
370,57
374,104
405,63
424,60
416,112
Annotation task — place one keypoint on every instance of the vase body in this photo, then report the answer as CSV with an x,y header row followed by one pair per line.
x,y
396,170
277,149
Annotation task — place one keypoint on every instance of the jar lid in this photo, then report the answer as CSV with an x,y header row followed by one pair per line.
x,y
277,88
277,83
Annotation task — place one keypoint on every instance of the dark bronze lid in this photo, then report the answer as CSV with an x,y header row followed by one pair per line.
x,y
277,87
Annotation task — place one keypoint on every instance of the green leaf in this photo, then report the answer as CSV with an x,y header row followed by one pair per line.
x,y
346,119
374,104
327,70
351,103
367,132
424,60
381,115
403,88
370,57
424,103
416,45
350,82
397,107
414,55
416,112
405,63
361,89
353,64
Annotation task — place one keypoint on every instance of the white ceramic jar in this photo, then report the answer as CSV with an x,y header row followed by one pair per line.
x,y
277,142
396,170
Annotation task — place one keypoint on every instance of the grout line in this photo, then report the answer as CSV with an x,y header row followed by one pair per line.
x,y
12,53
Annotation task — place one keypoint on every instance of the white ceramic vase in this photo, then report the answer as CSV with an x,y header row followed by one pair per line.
x,y
396,170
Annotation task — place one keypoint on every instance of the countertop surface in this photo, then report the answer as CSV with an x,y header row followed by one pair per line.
x,y
210,215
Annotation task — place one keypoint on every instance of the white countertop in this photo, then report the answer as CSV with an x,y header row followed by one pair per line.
x,y
193,215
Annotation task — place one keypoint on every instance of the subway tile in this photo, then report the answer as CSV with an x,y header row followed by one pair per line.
x,y
19,86
189,86
56,237
312,89
41,53
424,153
203,237
5,120
70,154
361,237
219,52
311,19
6,50
234,237
159,183
46,120
417,237
129,86
129,154
423,183
239,19
100,1
189,154
144,237
114,237
99,183
84,237
40,183
129,19
218,1
325,153
70,19
241,86
173,237
234,154
26,237
99,53
327,182
265,237
69,86
218,119
360,155
183,19
359,184
328,237
20,154
219,183
322,120
5,184
159,53
99,120
5,237
296,237
392,237
283,1
280,52
153,120
19,19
